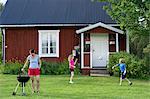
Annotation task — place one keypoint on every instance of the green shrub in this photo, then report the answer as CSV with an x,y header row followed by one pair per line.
x,y
57,68
11,68
47,68
136,68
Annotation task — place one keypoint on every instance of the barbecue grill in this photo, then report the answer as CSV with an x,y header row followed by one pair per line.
x,y
22,79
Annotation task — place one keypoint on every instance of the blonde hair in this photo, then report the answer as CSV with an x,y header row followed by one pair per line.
x,y
69,57
121,60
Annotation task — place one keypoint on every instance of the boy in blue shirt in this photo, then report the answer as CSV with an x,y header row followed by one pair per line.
x,y
122,66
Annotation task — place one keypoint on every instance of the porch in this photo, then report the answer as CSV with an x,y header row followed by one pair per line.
x,y
98,41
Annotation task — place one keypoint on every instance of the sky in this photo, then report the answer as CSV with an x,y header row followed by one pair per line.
x,y
3,1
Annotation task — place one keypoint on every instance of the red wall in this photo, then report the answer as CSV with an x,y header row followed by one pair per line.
x,y
20,40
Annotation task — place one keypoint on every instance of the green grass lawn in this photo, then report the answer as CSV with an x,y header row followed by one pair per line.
x,y
57,87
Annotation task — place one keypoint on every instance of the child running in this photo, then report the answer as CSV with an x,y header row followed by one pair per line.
x,y
122,66
71,67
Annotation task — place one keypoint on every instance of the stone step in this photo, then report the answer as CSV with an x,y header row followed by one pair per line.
x,y
99,71
101,75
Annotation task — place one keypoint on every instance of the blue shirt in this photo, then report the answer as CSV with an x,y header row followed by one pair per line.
x,y
34,61
122,67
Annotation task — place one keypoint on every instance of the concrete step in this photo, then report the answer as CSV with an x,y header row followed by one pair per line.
x,y
99,72
102,75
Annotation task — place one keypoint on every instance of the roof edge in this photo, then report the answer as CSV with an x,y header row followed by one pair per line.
x,y
34,25
97,25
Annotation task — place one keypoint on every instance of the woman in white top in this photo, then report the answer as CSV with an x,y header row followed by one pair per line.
x,y
34,69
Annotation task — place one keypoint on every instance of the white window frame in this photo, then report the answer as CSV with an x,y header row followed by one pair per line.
x,y
40,43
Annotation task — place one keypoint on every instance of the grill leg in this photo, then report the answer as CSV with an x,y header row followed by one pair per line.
x,y
14,93
23,91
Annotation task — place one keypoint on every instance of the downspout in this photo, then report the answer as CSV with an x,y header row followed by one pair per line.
x,y
3,45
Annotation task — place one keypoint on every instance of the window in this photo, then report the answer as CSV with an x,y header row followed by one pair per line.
x,y
49,43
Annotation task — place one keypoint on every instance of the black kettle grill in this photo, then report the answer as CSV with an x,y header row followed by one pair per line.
x,y
22,79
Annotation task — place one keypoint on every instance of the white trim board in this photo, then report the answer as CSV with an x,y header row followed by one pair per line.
x,y
97,25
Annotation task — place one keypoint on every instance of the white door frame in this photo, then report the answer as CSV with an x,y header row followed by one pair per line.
x,y
91,52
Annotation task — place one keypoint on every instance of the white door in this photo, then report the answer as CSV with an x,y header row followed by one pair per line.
x,y
99,50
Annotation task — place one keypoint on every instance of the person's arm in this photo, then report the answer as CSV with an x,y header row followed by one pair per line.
x,y
114,66
75,61
26,63
124,72
40,62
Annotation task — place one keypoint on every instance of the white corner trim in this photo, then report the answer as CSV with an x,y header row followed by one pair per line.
x,y
127,42
117,43
57,43
4,45
97,25
82,50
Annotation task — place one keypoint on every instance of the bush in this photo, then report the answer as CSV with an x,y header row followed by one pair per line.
x,y
47,68
136,68
56,68
11,68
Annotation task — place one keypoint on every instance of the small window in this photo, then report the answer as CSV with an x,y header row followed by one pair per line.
x,y
49,43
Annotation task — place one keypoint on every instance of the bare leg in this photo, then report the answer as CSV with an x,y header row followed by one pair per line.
x,y
128,81
32,81
38,82
120,81
71,77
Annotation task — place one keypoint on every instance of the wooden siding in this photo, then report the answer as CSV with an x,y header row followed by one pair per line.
x,y
100,30
20,40
87,60
85,71
122,42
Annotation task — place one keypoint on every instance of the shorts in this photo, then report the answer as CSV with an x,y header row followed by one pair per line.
x,y
33,72
123,76
71,69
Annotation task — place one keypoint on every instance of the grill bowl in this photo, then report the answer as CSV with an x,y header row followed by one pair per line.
x,y
23,78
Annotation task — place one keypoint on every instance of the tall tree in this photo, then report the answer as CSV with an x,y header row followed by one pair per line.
x,y
1,7
134,16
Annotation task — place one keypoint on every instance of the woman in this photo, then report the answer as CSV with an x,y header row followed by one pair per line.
x,y
34,69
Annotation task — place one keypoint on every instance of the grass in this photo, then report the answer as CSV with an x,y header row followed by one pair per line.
x,y
57,87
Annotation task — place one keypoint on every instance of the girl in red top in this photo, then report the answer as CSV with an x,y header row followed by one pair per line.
x,y
71,67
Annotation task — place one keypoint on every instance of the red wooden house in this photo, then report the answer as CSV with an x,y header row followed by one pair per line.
x,y
55,27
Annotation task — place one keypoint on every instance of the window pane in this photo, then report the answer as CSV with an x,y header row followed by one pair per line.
x,y
45,43
53,43
45,50
53,50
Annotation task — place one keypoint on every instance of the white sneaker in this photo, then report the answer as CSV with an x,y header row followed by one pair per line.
x,y
71,82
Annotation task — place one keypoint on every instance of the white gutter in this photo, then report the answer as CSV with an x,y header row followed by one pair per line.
x,y
97,25
34,25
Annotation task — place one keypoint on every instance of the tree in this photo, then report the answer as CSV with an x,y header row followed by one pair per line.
x,y
1,7
134,16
